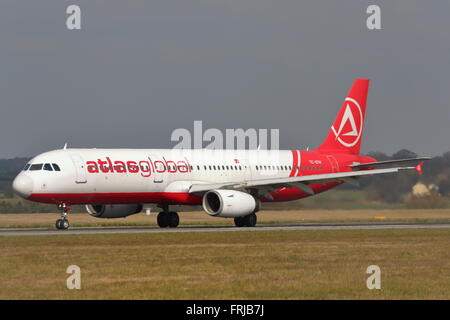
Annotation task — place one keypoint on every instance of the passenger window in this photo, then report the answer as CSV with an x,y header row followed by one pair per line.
x,y
36,167
56,167
48,167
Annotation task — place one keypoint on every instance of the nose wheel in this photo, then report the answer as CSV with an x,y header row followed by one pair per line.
x,y
63,223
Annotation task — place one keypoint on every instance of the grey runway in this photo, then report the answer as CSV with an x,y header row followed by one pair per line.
x,y
152,229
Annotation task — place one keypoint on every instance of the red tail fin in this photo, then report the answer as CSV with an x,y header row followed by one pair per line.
x,y
346,131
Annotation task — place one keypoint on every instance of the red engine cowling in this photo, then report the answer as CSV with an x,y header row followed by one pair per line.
x,y
110,211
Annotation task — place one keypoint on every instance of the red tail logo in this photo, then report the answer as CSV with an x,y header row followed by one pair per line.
x,y
351,123
345,133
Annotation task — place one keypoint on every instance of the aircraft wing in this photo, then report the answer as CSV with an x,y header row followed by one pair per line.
x,y
301,183
388,163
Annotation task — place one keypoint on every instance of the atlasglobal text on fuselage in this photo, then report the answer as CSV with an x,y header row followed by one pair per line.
x,y
144,167
115,183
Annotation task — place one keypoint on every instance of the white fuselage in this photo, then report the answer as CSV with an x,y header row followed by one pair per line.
x,y
89,176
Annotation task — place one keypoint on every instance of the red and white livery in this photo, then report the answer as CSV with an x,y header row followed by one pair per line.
x,y
115,183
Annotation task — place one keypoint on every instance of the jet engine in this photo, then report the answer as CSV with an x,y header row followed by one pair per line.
x,y
229,203
113,210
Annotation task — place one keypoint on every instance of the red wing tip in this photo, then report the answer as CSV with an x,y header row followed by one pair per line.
x,y
419,167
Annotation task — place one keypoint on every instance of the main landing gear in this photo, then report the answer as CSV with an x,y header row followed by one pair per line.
x,y
168,218
63,223
246,221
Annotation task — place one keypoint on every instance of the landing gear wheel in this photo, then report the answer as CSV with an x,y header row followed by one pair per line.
x,y
163,219
62,224
250,220
239,222
173,219
246,221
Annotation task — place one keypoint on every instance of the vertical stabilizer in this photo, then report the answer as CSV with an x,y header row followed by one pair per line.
x,y
345,134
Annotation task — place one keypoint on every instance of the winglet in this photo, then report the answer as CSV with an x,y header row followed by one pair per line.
x,y
419,168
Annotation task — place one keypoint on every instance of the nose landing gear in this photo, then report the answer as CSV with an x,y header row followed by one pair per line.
x,y
63,223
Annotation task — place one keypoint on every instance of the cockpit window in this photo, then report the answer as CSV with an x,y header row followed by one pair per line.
x,y
56,167
48,167
36,166
27,166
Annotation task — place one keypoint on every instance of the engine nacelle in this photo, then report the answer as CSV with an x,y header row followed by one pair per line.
x,y
110,211
228,203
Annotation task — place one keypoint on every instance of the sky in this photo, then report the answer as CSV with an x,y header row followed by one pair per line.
x,y
138,70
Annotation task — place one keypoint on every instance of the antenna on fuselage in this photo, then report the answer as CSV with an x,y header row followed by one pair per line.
x,y
65,146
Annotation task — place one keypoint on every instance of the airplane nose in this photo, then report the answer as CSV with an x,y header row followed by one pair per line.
x,y
23,185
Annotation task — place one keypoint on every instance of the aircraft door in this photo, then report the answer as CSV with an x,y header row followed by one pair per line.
x,y
159,169
334,163
247,170
80,168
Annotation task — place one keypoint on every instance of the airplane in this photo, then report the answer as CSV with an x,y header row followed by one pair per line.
x,y
116,183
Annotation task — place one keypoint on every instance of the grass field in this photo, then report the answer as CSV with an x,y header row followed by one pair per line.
x,y
201,218
415,264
